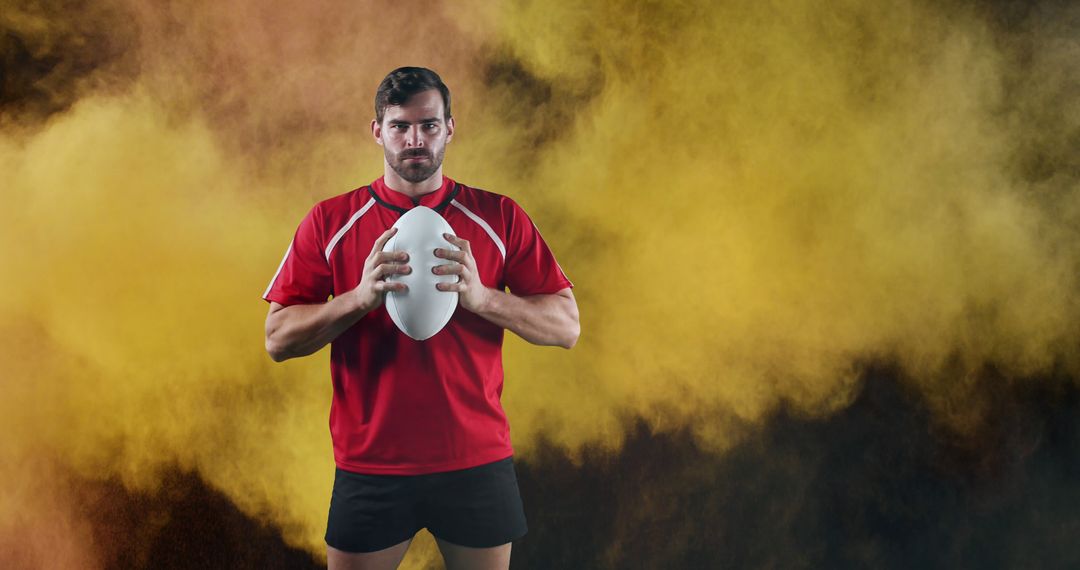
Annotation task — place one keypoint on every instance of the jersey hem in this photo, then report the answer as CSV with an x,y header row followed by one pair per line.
x,y
370,469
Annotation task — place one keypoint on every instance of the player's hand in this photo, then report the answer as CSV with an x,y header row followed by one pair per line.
x,y
377,267
471,292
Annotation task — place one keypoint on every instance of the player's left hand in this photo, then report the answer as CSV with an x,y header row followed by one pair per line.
x,y
471,292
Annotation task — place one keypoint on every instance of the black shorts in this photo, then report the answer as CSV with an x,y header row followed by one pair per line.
x,y
478,507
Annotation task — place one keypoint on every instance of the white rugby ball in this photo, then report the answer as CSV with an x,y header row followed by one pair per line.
x,y
422,310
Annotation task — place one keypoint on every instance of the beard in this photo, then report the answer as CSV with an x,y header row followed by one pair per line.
x,y
415,170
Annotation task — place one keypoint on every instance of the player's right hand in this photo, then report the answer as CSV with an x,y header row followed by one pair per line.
x,y
377,267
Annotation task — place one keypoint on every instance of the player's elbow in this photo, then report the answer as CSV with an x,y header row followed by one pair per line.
x,y
276,351
570,339
572,329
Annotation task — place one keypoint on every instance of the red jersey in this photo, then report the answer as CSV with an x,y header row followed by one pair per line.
x,y
402,406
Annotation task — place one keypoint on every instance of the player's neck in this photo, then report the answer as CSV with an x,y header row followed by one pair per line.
x,y
410,189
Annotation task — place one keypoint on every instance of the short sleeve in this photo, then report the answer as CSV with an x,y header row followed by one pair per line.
x,y
530,268
304,275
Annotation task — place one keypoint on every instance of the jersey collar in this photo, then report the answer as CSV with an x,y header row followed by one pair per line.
x,y
398,201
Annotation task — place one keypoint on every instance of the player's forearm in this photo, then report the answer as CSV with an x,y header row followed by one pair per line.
x,y
300,330
550,320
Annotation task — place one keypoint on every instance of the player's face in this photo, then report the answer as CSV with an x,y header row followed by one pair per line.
x,y
414,136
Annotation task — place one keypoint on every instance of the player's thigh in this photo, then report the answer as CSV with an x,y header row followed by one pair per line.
x,y
465,558
386,559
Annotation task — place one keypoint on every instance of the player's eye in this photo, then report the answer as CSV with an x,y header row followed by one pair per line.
x,y
430,126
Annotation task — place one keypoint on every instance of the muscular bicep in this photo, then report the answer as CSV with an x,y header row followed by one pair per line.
x,y
566,301
274,314
572,304
560,312
273,318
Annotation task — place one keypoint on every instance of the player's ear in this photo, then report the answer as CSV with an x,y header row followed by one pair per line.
x,y
449,129
376,131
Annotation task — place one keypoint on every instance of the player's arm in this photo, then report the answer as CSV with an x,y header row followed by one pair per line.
x,y
549,320
300,330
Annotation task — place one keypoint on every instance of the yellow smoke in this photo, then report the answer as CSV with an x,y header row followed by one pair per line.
x,y
751,199
765,195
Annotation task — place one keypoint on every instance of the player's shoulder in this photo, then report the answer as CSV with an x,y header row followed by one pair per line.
x,y
330,213
346,202
476,194
489,202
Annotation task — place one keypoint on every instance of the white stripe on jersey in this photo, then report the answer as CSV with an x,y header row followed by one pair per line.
x,y
278,272
345,228
483,224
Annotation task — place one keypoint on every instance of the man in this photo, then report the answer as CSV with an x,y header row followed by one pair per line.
x,y
420,437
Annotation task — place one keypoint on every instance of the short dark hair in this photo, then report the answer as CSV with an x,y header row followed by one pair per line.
x,y
404,82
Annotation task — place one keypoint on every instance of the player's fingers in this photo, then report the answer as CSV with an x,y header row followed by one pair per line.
x,y
459,286
388,256
448,268
381,242
458,241
458,256
383,286
381,271
387,269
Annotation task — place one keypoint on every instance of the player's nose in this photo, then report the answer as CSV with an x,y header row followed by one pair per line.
x,y
413,138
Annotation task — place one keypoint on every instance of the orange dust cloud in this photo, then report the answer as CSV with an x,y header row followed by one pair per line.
x,y
751,199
